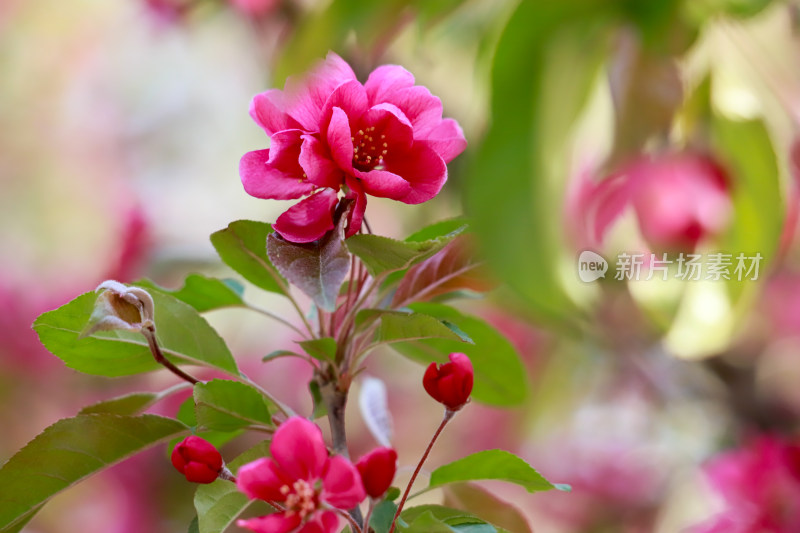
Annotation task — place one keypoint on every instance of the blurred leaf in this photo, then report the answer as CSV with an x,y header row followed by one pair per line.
x,y
22,521
484,504
427,523
401,326
323,349
374,407
71,450
219,503
194,526
203,293
317,268
512,189
224,405
757,221
491,464
500,378
128,404
452,269
243,247
382,255
184,336
382,516
279,353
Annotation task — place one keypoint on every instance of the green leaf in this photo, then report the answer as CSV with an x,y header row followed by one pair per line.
x,y
436,518
491,464
401,326
427,523
320,409
184,337
317,268
222,405
448,228
500,377
382,255
514,184
219,503
128,404
22,521
203,293
186,414
382,516
323,349
243,247
194,527
71,450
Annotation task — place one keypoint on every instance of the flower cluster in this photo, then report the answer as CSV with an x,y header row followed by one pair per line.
x,y
330,133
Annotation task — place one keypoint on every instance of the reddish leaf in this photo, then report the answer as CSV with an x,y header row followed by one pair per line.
x,y
453,268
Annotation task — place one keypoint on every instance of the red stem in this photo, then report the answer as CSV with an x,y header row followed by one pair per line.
x,y
448,414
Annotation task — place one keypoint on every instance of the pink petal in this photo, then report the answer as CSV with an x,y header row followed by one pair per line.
x,y
262,479
357,214
262,180
423,110
267,109
341,484
317,164
423,169
384,184
309,219
322,522
390,122
340,139
274,523
385,80
446,139
350,97
284,149
306,97
299,449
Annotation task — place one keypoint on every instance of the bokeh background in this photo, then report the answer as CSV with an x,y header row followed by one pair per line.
x,y
616,126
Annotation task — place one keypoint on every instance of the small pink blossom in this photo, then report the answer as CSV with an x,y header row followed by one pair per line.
x,y
329,132
679,199
760,486
304,479
254,7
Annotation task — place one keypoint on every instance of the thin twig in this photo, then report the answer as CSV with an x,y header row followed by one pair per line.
x,y
448,414
149,333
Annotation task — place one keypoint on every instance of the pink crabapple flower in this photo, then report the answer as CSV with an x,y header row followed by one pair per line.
x,y
197,459
451,383
377,470
304,478
679,199
329,132
760,487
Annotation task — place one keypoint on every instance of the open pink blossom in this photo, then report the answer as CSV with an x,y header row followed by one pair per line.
x,y
760,487
330,133
679,199
304,479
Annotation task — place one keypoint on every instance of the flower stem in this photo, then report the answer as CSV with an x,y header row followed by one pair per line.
x,y
149,333
369,515
448,414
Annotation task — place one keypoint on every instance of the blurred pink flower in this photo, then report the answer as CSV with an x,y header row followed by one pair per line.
x,y
302,476
679,199
254,7
760,485
385,138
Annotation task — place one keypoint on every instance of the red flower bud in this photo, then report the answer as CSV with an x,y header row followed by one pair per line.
x,y
197,459
450,383
377,470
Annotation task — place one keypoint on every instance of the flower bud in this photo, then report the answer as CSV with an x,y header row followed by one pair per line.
x,y
377,470
197,459
120,307
450,383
